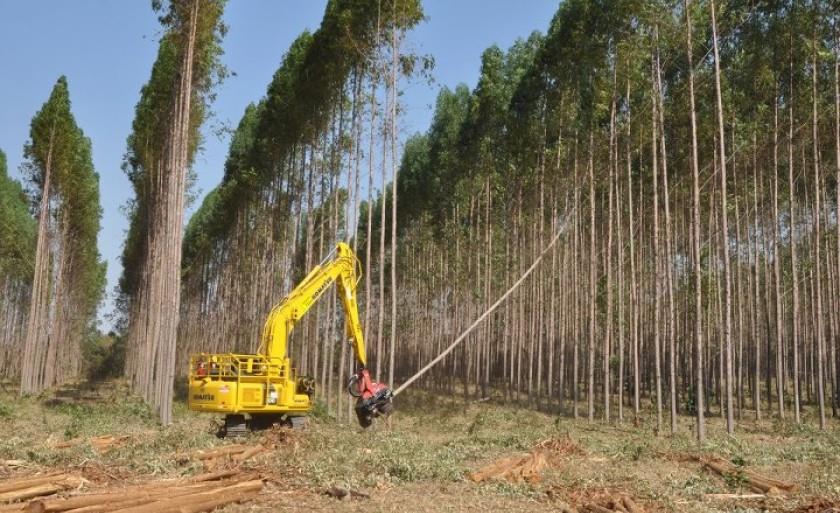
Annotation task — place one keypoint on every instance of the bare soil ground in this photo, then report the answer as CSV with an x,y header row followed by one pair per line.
x,y
436,456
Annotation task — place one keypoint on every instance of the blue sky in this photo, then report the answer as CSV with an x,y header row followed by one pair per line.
x,y
106,49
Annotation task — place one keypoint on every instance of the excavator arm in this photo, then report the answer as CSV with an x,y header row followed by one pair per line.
x,y
339,267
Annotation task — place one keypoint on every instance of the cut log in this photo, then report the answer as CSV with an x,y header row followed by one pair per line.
x,y
54,485
106,443
174,505
137,501
34,491
212,504
127,497
735,496
221,451
17,484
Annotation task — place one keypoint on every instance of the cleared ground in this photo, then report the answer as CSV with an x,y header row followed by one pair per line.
x,y
421,462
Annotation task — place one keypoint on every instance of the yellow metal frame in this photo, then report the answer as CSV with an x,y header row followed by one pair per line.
x,y
239,383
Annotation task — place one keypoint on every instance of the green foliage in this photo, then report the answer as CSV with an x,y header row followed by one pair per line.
x,y
319,410
56,142
17,228
153,116
299,103
104,356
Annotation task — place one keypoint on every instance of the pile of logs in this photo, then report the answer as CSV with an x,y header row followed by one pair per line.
x,y
757,482
36,486
199,494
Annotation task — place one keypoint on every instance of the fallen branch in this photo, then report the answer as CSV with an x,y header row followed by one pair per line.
x,y
756,481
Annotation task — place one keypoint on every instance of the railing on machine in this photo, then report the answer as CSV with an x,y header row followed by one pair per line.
x,y
239,367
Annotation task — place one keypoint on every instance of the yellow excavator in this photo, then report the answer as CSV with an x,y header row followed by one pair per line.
x,y
265,386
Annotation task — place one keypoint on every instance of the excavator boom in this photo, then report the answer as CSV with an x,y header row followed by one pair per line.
x,y
265,385
340,268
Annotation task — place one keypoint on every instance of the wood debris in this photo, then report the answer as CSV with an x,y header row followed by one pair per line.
x,y
756,482
818,505
515,469
611,503
221,456
339,493
528,468
102,444
585,500
560,446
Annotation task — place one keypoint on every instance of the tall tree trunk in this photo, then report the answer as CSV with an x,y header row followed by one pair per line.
x,y
794,262
657,256
819,331
609,262
836,200
698,270
37,323
730,419
592,280
634,289
395,51
777,273
669,259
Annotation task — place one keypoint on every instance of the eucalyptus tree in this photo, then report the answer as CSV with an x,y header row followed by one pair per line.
x,y
161,148
68,276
